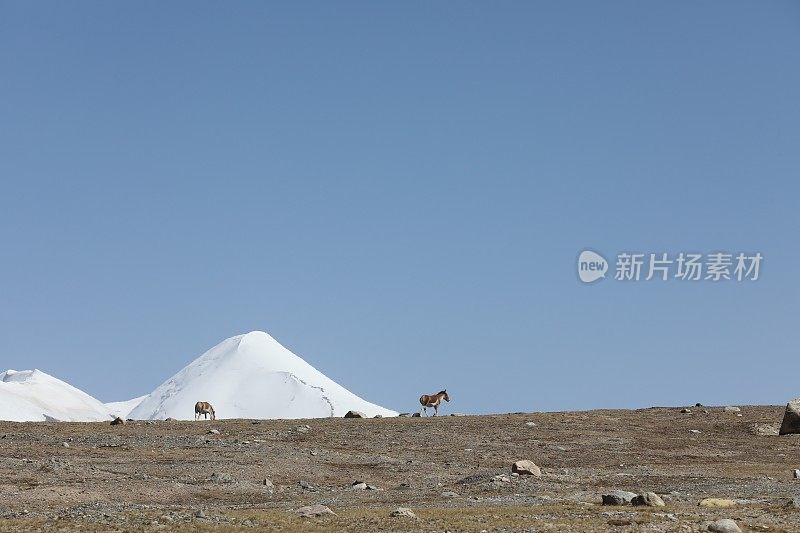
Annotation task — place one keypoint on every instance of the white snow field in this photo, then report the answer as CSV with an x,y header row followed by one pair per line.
x,y
122,409
252,376
32,395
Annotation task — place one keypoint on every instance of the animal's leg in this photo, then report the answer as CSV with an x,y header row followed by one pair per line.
x,y
435,410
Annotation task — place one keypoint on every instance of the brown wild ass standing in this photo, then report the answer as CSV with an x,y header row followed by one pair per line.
x,y
204,408
433,401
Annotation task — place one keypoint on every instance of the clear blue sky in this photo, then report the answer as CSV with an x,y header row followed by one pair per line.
x,y
398,194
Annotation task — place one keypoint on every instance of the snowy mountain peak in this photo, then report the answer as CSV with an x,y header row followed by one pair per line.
x,y
35,395
252,376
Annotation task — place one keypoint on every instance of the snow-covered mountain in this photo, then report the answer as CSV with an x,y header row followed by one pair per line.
x,y
252,376
123,408
32,395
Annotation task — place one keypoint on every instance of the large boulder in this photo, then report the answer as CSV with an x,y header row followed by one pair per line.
x,y
725,525
355,414
618,497
526,467
649,499
791,418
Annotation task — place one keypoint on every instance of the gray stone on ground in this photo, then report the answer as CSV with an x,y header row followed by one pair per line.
x,y
268,483
403,512
221,477
796,473
725,525
358,485
764,429
213,432
618,497
355,414
526,467
686,411
731,409
791,418
530,424
649,499
416,415
200,514
65,444
310,511
117,421
450,494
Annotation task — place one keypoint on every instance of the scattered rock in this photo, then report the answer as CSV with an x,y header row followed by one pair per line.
x,y
200,514
686,411
725,525
791,418
221,477
404,415
268,483
457,414
530,424
450,494
117,421
213,432
310,511
796,473
731,409
170,419
355,414
649,499
65,444
378,416
764,429
306,485
698,404
358,485
794,503
695,431
717,502
403,512
416,415
526,467
618,497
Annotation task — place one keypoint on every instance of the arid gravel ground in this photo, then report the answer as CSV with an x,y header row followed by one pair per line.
x,y
454,473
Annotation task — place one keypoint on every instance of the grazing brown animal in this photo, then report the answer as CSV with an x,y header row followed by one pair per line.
x,y
204,408
433,401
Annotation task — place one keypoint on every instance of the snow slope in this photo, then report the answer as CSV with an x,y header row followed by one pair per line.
x,y
252,376
32,395
121,409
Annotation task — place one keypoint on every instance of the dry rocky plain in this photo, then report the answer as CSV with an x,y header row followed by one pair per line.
x,y
452,472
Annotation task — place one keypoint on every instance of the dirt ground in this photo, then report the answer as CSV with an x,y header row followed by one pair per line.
x,y
453,472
